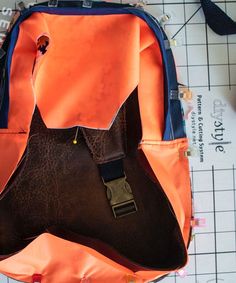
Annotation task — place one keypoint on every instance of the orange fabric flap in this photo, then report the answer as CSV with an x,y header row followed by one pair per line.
x,y
171,168
61,261
89,67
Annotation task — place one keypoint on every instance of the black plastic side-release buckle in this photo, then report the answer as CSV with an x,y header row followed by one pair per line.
x,y
120,195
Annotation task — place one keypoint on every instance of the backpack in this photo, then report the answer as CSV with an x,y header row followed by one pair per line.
x,y
94,172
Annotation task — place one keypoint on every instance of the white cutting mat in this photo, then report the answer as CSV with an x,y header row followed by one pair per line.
x,y
206,63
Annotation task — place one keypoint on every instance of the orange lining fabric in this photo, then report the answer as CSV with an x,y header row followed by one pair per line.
x,y
91,66
49,261
171,168
81,262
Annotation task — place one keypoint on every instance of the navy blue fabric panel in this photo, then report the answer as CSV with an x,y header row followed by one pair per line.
x,y
173,127
176,115
168,133
217,20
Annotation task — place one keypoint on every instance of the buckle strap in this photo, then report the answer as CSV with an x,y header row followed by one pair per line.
x,y
121,198
119,192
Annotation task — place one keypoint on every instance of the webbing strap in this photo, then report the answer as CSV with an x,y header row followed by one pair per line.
x,y
111,170
217,19
108,151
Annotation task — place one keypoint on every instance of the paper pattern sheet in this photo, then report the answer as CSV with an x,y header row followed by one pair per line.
x,y
206,63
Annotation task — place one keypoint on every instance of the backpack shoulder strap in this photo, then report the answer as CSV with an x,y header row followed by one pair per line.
x,y
218,20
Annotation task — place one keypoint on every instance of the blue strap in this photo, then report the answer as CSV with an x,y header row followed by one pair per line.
x,y
217,20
